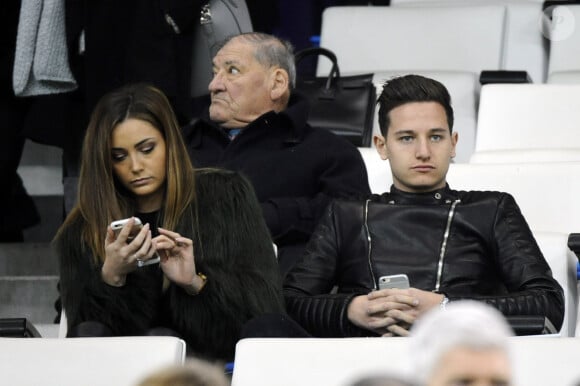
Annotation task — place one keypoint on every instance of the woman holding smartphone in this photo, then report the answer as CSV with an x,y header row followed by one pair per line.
x,y
217,266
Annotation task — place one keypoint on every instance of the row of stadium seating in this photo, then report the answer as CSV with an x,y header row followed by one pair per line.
x,y
454,41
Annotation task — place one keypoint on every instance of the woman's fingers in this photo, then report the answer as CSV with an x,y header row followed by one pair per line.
x,y
166,232
141,237
163,242
176,239
110,237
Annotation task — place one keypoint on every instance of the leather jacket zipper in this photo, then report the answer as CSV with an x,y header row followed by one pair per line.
x,y
441,252
369,241
444,244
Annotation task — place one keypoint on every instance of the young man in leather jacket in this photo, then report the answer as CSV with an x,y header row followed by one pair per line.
x,y
451,244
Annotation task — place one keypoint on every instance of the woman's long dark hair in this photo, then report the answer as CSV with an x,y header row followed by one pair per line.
x,y
100,198
231,229
229,218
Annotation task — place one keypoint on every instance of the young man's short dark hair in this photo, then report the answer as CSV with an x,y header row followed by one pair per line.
x,y
411,88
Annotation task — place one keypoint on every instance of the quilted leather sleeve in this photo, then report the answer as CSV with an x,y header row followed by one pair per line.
x,y
532,288
308,288
322,315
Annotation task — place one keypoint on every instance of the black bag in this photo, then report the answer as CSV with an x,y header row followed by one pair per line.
x,y
17,328
218,20
344,105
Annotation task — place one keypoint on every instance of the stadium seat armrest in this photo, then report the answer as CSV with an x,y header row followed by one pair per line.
x,y
531,325
504,76
552,3
18,328
574,243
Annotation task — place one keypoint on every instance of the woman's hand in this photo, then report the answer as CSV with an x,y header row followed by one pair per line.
x,y
122,257
177,260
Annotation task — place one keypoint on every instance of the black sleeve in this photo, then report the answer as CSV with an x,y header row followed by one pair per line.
x,y
344,176
126,310
532,288
308,286
235,292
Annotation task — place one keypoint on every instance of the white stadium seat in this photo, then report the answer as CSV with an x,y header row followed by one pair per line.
x,y
382,38
121,361
562,261
339,362
370,40
547,193
564,64
524,47
528,123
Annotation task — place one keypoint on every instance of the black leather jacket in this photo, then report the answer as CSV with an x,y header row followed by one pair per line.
x,y
480,240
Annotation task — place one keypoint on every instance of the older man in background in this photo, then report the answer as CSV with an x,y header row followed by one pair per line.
x,y
257,125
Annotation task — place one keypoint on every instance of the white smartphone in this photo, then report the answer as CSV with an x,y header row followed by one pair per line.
x,y
153,260
137,225
400,281
119,224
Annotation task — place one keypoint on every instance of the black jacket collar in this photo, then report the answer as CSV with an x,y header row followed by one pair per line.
x,y
436,197
293,117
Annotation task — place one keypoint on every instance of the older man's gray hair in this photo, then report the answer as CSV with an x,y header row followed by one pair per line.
x,y
468,324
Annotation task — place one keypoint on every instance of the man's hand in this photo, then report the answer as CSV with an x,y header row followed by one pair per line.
x,y
391,312
381,311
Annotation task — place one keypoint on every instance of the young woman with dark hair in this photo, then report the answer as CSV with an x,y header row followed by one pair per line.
x,y
217,265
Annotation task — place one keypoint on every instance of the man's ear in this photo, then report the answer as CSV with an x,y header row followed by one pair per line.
x,y
454,139
381,146
279,84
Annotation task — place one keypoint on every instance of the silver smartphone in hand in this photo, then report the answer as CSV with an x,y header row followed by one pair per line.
x,y
400,281
137,226
119,224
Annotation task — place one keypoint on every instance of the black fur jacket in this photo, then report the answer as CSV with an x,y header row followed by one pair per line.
x,y
238,288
